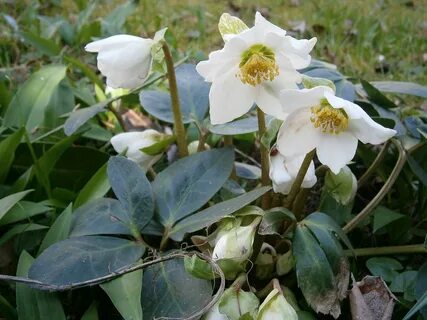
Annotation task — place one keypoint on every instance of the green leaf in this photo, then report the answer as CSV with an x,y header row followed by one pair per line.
x,y
61,102
160,146
401,87
8,202
91,313
81,116
125,294
86,70
80,259
273,219
34,304
311,82
404,283
23,210
421,286
270,135
193,96
45,46
198,268
28,106
189,183
169,291
241,126
212,214
7,310
376,96
314,274
384,267
95,188
235,303
101,216
421,303
58,231
132,188
384,216
18,229
230,25
416,168
7,152
342,186
247,171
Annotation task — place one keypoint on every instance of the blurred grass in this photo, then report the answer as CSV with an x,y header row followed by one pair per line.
x,y
370,39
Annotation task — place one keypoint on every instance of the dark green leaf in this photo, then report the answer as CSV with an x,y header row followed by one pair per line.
x,y
401,87
416,168
241,126
169,291
133,190
7,152
34,304
80,259
125,294
91,313
421,303
212,214
23,210
247,171
421,286
384,216
28,106
81,116
376,96
384,267
45,46
95,188
86,70
193,96
8,202
273,220
189,183
101,216
58,231
18,229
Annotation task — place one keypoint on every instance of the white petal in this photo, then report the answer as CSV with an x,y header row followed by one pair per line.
x,y
298,51
297,135
268,98
293,165
111,42
229,98
282,181
336,151
361,124
305,98
267,26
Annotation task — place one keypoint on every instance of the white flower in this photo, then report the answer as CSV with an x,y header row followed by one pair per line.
x,y
214,314
275,307
283,172
253,67
319,119
124,59
235,244
133,142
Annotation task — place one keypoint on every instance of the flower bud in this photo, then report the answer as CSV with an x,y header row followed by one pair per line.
x,y
285,263
342,186
194,145
132,142
276,307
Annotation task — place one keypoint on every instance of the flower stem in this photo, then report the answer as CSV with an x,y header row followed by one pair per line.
x,y
413,248
383,191
364,178
265,180
179,128
228,142
118,117
296,186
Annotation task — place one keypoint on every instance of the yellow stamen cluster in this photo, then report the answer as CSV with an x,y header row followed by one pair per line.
x,y
258,64
329,119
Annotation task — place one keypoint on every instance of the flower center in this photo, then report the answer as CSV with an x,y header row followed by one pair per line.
x,y
258,64
329,119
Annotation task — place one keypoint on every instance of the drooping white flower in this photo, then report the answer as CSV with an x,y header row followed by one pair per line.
x,y
275,307
124,59
133,142
253,67
319,119
284,170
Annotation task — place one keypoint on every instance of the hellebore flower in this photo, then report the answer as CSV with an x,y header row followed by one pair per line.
x,y
133,142
124,59
319,119
284,170
253,67
275,307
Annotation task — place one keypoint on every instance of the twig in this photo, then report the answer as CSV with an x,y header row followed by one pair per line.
x,y
413,248
364,178
265,179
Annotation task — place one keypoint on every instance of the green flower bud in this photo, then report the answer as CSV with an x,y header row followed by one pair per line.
x,y
276,307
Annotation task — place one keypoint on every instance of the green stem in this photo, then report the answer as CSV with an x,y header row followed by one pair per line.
x,y
179,128
296,186
118,117
265,179
413,248
228,142
364,178
383,191
165,239
299,203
